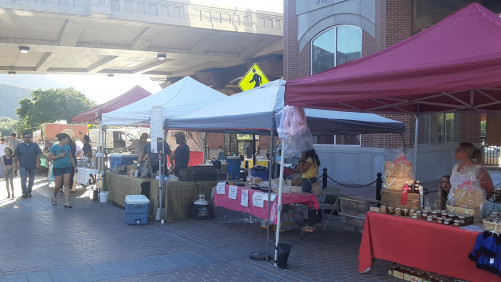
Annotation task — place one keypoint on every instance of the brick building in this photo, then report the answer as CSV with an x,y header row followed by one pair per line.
x,y
321,34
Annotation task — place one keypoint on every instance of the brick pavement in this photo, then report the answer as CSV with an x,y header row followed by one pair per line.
x,y
92,242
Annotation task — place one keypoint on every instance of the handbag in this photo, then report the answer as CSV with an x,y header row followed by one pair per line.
x,y
316,189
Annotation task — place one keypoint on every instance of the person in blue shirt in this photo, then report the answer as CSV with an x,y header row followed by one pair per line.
x,y
63,167
181,154
154,157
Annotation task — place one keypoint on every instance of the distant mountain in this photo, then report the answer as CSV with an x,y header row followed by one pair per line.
x,y
10,96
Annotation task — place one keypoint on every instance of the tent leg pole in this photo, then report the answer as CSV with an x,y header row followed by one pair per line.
x,y
414,159
279,205
270,166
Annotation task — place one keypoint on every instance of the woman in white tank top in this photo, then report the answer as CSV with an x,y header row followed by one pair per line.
x,y
469,173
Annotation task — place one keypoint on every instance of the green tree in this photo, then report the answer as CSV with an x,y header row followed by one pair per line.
x,y
7,126
49,106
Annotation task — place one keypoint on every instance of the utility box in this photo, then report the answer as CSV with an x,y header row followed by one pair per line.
x,y
137,208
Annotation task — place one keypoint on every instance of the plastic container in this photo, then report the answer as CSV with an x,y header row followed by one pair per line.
x,y
103,196
233,166
260,173
121,159
137,209
137,204
136,218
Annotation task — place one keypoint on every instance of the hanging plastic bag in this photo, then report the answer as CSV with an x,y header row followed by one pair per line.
x,y
293,131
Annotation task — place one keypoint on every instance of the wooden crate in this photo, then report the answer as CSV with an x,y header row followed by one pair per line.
x,y
391,198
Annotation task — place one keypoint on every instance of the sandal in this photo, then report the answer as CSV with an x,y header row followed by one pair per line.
x,y
67,206
54,202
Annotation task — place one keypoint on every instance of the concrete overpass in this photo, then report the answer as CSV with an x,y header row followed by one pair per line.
x,y
165,40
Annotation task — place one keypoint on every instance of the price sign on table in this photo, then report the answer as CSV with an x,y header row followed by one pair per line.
x,y
232,193
245,198
220,188
258,200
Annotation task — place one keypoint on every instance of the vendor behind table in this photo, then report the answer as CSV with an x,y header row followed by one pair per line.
x,y
155,157
137,146
181,155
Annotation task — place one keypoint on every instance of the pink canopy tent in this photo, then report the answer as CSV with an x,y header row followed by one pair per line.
x,y
94,114
453,66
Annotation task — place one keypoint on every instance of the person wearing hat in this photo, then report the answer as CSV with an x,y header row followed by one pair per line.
x,y
181,155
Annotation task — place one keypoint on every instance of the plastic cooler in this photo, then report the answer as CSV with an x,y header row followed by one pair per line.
x,y
233,166
137,209
260,173
121,159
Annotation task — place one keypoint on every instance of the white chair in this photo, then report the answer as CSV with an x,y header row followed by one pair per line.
x,y
329,192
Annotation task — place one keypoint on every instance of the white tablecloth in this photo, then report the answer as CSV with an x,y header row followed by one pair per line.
x,y
83,175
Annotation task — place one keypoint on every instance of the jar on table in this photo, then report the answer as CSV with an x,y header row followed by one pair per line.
x,y
440,219
457,222
462,220
398,211
383,209
418,214
390,210
416,187
424,214
429,218
447,221
412,213
405,212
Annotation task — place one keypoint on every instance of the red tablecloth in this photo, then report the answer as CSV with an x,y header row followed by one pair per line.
x,y
427,246
222,200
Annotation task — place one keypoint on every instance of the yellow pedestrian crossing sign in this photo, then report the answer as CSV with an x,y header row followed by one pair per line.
x,y
253,78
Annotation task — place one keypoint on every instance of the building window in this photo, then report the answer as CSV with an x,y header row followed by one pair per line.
x,y
338,139
438,128
334,47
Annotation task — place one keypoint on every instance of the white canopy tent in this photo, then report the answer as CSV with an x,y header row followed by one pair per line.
x,y
177,99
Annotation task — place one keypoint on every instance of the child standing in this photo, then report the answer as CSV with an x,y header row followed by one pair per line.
x,y
8,171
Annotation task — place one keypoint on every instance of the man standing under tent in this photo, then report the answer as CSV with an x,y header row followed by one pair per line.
x,y
137,146
181,154
155,157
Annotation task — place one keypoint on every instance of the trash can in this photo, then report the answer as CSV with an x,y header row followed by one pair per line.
x,y
283,251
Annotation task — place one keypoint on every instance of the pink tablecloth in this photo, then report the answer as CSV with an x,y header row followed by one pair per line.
x,y
222,200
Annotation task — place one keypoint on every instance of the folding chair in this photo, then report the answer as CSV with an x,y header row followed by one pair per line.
x,y
328,194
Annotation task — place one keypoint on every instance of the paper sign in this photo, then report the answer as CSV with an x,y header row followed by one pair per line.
x,y
156,126
232,193
272,197
245,198
258,200
220,188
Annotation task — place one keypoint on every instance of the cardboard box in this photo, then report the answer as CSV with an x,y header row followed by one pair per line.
x,y
391,198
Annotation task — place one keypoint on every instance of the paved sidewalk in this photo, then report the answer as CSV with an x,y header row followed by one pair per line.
x,y
92,242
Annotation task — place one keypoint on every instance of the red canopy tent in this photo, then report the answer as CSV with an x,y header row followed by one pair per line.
x,y
131,96
453,66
